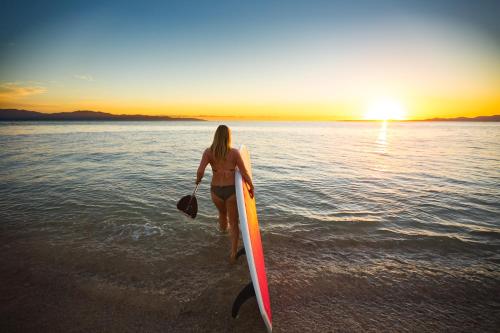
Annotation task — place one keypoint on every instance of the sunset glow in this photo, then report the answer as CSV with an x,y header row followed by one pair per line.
x,y
301,61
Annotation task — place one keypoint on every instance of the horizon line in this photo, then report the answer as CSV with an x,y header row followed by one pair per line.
x,y
277,119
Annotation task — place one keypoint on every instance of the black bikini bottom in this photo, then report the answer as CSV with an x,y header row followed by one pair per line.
x,y
223,192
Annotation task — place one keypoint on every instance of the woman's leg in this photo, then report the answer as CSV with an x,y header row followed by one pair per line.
x,y
221,207
232,212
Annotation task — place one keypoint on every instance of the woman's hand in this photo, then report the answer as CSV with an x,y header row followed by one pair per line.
x,y
251,190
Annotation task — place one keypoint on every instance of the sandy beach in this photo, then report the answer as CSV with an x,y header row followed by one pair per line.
x,y
45,289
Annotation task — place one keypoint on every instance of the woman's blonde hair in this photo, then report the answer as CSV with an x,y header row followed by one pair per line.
x,y
222,142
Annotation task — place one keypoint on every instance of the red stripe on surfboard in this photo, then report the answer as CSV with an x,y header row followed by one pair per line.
x,y
258,254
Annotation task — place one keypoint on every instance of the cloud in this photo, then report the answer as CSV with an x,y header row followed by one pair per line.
x,y
85,77
15,90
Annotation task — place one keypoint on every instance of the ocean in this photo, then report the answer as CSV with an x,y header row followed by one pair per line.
x,y
366,226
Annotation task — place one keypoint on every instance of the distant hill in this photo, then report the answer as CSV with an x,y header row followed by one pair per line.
x,y
25,115
480,118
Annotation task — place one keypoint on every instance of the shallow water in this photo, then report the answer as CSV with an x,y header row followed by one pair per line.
x,y
399,221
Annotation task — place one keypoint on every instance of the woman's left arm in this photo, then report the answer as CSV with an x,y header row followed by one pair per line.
x,y
203,164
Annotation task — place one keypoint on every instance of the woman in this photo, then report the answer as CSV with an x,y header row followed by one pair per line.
x,y
223,159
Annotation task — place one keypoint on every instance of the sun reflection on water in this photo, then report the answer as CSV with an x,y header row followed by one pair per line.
x,y
382,138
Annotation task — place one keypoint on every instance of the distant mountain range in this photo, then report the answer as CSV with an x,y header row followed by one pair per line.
x,y
25,115
480,118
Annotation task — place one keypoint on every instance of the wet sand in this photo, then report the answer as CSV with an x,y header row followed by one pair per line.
x,y
48,288
43,290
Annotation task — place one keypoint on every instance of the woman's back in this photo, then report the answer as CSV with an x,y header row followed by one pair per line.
x,y
223,170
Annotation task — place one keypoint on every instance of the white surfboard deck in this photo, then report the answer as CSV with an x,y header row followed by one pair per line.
x,y
250,232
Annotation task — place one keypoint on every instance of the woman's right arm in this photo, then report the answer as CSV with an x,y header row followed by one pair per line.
x,y
203,164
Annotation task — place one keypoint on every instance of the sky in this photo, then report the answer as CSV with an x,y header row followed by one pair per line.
x,y
290,60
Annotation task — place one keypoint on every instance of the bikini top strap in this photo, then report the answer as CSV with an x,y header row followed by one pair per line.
x,y
230,170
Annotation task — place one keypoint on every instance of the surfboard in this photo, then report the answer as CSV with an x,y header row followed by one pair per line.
x,y
250,232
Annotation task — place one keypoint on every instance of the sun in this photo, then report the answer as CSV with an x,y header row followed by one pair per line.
x,y
385,109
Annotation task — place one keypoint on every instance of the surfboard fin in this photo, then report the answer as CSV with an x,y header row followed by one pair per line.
x,y
240,252
247,292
